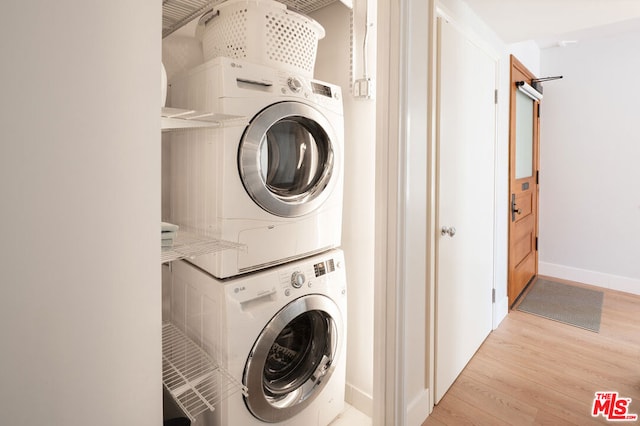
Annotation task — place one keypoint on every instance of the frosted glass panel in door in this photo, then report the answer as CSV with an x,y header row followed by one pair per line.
x,y
524,135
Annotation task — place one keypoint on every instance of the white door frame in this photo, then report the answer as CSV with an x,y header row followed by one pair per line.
x,y
401,397
386,387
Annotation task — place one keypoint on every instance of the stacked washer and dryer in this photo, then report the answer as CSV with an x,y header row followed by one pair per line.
x,y
274,314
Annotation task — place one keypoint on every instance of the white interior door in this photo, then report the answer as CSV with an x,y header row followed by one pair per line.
x,y
465,191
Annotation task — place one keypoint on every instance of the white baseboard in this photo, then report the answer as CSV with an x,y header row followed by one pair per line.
x,y
418,409
361,401
500,311
599,279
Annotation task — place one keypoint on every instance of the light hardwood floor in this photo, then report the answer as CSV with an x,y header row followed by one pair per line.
x,y
534,371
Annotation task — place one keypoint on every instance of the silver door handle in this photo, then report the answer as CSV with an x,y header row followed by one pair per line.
x,y
451,231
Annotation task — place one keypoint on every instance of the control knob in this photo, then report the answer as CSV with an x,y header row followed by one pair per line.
x,y
294,84
297,279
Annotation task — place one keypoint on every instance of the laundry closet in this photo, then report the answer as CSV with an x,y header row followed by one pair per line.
x,y
267,194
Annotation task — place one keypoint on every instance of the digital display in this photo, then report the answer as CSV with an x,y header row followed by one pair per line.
x,y
321,89
319,269
323,268
330,266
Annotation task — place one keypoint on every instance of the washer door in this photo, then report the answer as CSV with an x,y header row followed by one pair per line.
x,y
287,159
293,358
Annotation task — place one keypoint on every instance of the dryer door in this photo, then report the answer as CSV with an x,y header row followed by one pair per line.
x,y
288,159
293,358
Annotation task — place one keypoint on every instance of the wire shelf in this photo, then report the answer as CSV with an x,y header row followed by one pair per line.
x,y
306,6
190,243
177,13
193,379
177,118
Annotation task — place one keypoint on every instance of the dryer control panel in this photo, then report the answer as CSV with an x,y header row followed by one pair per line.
x,y
318,91
321,89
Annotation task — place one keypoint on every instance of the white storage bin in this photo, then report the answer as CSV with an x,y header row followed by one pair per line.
x,y
263,32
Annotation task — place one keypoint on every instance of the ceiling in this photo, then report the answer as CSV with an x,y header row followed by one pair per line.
x,y
550,22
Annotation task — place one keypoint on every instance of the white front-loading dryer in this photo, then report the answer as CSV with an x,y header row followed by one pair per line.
x,y
281,332
274,185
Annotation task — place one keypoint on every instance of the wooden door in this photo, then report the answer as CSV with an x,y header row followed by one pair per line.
x,y
523,184
465,200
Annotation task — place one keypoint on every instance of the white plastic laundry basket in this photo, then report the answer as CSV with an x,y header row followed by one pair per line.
x,y
263,32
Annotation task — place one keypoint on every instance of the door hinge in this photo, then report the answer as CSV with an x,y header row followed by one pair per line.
x,y
493,295
538,110
536,243
537,177
495,96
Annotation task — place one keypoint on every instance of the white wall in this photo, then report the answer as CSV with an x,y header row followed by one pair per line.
x,y
589,200
332,65
80,185
528,53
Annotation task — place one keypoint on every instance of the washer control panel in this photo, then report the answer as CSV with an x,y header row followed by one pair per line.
x,y
317,274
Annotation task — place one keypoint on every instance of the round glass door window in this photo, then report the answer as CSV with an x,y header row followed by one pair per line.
x,y
287,159
293,358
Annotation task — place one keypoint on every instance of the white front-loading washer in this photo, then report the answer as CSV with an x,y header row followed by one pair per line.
x,y
281,332
274,185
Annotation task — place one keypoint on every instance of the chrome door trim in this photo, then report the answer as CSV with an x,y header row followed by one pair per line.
x,y
288,405
250,168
